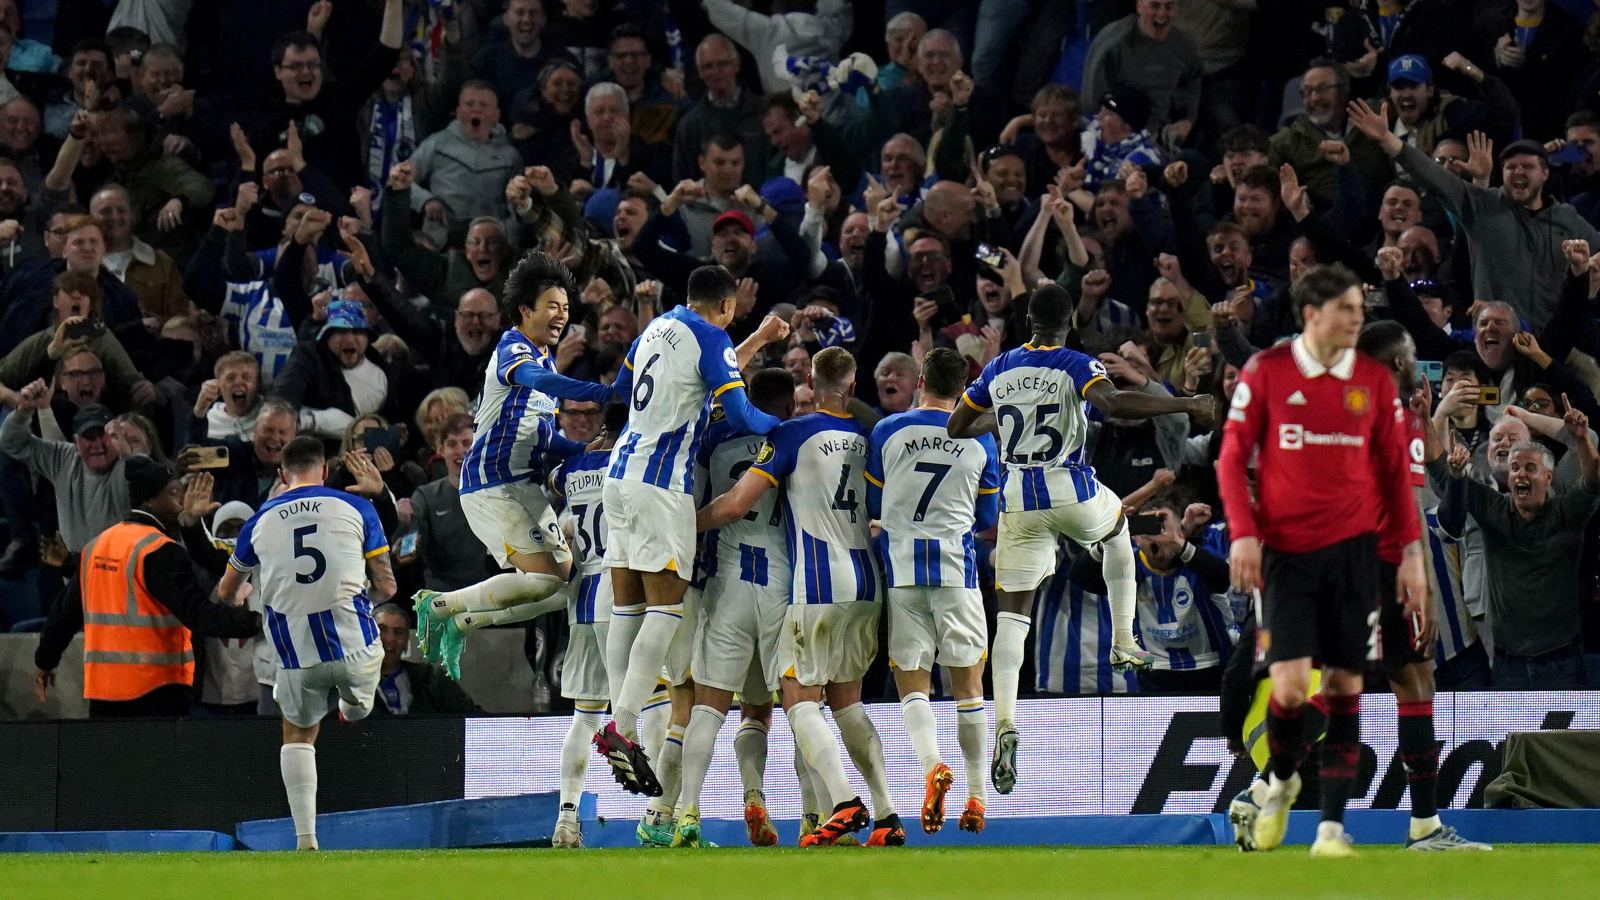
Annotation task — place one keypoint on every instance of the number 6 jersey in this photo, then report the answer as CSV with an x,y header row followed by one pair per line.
x,y
1037,394
820,461
309,548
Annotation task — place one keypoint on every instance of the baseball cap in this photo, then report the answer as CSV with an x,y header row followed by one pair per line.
x,y
734,215
89,418
1524,148
345,315
1410,67
1132,105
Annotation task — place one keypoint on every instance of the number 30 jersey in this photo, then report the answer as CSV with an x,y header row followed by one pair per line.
x,y
820,461
1037,394
672,371
309,547
581,480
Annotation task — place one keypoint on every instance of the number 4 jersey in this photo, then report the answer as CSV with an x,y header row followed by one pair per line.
x,y
309,548
1037,394
820,461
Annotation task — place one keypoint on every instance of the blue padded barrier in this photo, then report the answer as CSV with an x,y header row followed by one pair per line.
x,y
113,841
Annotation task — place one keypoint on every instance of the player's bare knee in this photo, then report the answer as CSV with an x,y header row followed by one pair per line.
x,y
716,698
794,692
755,712
1018,602
294,734
966,682
1413,683
843,694
913,681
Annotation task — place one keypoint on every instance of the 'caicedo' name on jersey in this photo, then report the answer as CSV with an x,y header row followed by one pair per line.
x,y
1008,388
951,446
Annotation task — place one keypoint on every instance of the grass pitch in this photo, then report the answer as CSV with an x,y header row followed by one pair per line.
x,y
1167,873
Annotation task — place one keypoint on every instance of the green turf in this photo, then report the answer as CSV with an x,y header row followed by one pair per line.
x,y
1170,874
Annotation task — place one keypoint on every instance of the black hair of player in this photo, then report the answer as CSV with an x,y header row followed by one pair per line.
x,y
303,454
1383,340
616,418
1050,310
772,392
535,273
710,285
1322,285
944,373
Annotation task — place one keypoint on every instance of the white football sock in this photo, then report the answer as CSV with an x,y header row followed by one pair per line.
x,y
750,750
1010,643
920,727
575,751
972,730
699,741
297,763
499,592
866,751
625,622
810,804
479,619
815,739
1116,563
1330,831
653,722
1421,828
644,665
669,772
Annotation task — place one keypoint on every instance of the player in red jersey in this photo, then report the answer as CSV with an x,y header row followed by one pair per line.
x,y
1328,432
1407,646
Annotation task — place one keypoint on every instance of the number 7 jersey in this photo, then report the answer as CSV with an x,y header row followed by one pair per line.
x,y
673,370
1037,394
820,461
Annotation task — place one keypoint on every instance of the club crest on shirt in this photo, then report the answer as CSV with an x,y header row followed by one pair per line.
x,y
1357,399
767,451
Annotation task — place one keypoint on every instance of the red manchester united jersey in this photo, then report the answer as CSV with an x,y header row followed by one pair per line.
x,y
1332,453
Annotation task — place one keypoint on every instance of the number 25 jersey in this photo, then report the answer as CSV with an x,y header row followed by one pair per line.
x,y
1037,394
820,461
674,369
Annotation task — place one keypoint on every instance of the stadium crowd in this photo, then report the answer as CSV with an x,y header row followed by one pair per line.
x,y
223,225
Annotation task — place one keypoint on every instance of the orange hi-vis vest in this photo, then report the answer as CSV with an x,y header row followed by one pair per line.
x,y
131,643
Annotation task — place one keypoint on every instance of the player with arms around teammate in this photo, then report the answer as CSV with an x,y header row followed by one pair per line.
x,y
932,493
681,362
1327,429
501,493
313,550
746,596
830,632
1033,396
585,678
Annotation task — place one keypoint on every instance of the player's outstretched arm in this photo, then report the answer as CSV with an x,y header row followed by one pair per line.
x,y
969,422
735,503
771,330
380,571
560,386
1120,404
743,415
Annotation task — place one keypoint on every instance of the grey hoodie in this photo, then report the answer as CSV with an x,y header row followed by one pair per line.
x,y
468,177
1516,253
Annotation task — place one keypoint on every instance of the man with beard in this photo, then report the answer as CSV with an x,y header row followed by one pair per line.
x,y
1532,541
325,113
455,359
253,464
25,245
1423,115
1515,233
339,376
1325,90
480,263
1257,210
